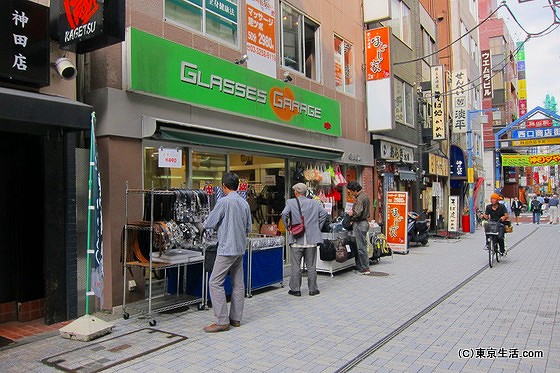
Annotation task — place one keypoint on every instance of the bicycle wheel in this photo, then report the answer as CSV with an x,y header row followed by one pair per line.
x,y
490,251
497,250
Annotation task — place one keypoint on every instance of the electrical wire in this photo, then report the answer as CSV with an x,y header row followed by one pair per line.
x,y
453,42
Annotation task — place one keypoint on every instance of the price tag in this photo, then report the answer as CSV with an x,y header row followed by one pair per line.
x,y
171,158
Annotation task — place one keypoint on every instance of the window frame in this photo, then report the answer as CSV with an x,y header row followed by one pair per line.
x,y
347,67
314,70
408,97
204,21
399,27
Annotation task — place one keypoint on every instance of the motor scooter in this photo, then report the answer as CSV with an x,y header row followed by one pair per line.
x,y
418,228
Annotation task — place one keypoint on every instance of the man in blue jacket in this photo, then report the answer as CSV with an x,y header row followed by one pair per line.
x,y
232,218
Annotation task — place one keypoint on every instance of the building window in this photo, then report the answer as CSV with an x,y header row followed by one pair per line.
x,y
344,66
428,47
216,18
400,22
464,36
474,52
404,102
300,43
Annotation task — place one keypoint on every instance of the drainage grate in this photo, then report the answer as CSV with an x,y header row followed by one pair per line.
x,y
114,351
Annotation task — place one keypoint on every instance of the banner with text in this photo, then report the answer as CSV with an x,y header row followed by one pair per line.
x,y
261,38
520,160
396,220
459,86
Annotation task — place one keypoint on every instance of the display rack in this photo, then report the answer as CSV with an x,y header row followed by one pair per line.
x,y
265,256
333,266
164,302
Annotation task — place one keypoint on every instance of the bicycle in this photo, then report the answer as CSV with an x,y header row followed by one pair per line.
x,y
492,230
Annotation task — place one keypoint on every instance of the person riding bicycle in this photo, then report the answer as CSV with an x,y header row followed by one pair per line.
x,y
497,212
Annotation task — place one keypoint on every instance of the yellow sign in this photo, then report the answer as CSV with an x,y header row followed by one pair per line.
x,y
470,175
541,141
521,160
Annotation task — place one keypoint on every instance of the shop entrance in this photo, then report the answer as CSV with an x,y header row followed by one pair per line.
x,y
22,284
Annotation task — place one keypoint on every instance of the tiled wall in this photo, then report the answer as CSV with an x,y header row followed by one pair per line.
x,y
13,311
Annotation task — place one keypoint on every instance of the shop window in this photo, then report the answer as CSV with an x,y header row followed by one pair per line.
x,y
207,169
162,177
300,43
343,66
216,18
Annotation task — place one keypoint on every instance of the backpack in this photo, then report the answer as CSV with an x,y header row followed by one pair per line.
x,y
536,205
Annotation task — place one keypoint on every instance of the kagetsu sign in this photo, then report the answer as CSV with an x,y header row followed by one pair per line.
x,y
87,25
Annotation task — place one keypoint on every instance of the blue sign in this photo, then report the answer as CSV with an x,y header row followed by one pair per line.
x,y
457,166
535,133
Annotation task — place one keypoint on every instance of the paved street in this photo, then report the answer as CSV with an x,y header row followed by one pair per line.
x,y
440,308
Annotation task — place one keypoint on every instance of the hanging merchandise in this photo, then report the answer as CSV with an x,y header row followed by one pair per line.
x,y
309,173
318,175
299,173
339,179
326,178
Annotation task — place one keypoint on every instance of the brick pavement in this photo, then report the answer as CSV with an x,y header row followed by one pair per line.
x,y
325,333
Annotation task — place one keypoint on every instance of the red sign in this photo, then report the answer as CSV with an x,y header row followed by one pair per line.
x,y
378,61
522,107
396,219
537,123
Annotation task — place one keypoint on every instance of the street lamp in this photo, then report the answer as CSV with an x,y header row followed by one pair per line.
x,y
470,170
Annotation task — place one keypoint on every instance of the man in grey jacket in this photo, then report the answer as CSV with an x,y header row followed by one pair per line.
x,y
305,246
232,217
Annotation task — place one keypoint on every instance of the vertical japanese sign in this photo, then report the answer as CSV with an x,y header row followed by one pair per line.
x,y
24,36
522,83
378,84
396,221
486,64
459,87
261,40
453,213
438,117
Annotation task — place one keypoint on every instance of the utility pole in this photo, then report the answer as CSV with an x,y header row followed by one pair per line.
x,y
470,170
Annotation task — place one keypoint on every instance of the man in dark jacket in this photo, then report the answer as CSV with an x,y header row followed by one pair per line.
x,y
360,225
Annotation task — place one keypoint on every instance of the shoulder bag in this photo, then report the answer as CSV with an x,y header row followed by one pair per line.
x,y
297,230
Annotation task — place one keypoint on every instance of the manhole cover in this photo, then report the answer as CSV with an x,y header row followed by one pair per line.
x,y
379,274
114,351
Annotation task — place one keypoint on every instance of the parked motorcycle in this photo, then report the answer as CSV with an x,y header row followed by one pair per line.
x,y
418,228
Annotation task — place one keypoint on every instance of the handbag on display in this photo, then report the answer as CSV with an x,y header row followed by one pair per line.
x,y
297,230
339,179
341,253
327,251
309,174
269,229
347,222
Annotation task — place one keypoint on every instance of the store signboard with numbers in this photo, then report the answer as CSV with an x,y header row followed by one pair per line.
x,y
396,221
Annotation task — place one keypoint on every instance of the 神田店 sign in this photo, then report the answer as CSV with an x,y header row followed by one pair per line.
x,y
24,36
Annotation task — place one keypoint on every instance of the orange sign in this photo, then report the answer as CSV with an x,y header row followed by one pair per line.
x,y
378,54
396,215
260,29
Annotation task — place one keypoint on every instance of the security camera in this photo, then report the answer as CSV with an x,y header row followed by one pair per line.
x,y
287,77
65,68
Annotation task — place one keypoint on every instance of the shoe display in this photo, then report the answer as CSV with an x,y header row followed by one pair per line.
x,y
216,328
234,323
312,293
294,293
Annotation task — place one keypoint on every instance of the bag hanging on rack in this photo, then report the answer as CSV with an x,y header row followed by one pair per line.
x,y
269,230
326,178
297,230
309,174
339,179
347,222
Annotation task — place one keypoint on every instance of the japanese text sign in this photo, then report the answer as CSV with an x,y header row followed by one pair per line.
x,y
396,219
378,54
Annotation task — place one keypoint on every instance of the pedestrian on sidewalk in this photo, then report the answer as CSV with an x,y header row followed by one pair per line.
x,y
553,209
516,207
231,216
536,209
305,246
360,225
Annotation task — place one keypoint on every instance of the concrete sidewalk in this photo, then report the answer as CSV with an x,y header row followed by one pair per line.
x,y
436,303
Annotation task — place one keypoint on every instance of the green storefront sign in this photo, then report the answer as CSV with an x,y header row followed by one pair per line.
x,y
167,69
